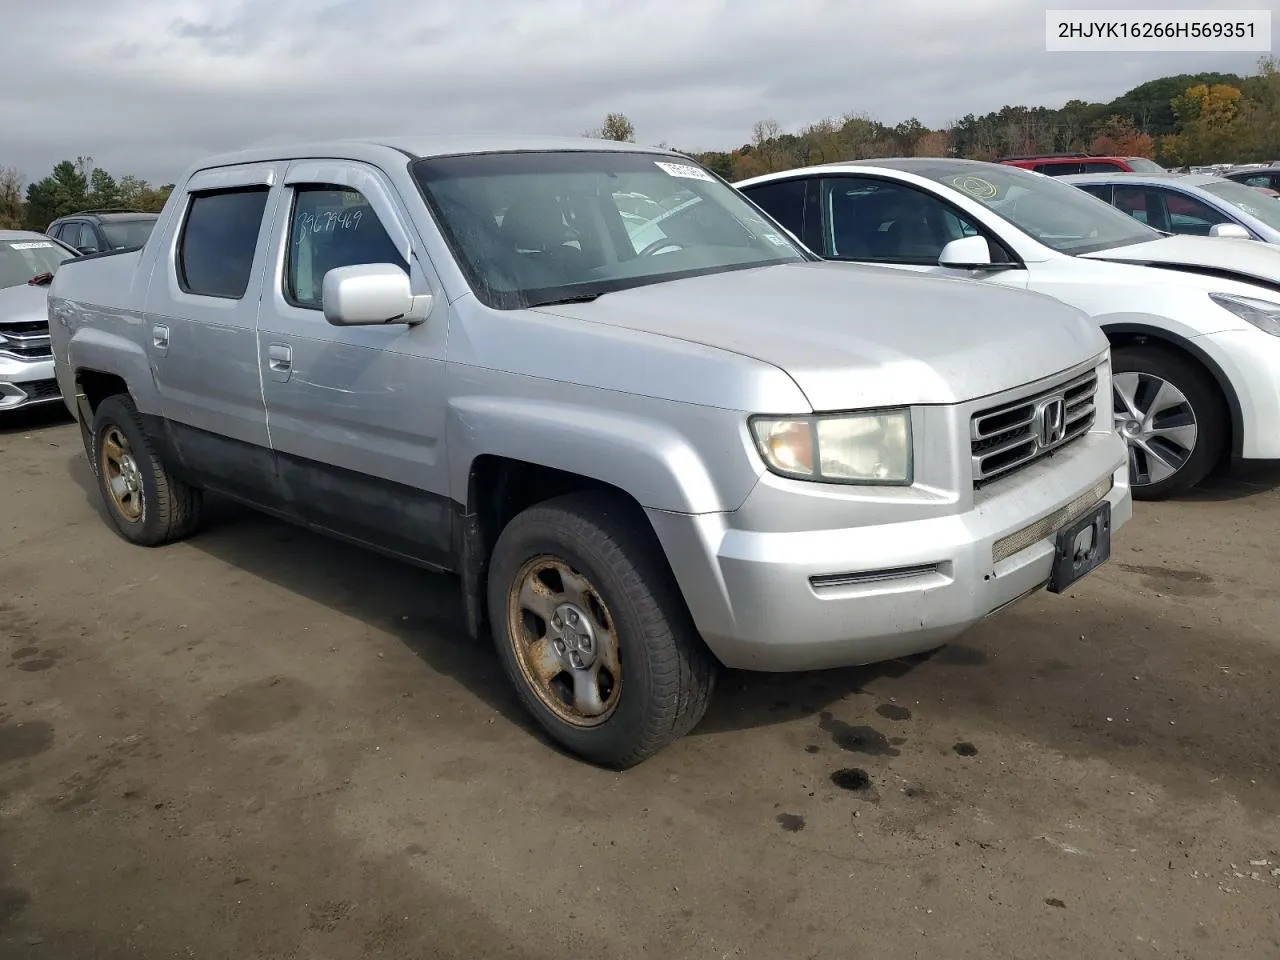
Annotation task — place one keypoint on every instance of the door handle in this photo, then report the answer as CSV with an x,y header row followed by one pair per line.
x,y
280,361
160,338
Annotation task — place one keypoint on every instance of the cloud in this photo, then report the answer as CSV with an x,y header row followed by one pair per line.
x,y
148,86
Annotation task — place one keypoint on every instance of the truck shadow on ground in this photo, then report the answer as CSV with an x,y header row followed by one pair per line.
x,y
1185,704
423,610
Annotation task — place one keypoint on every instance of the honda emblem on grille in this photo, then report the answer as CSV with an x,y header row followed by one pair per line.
x,y
1050,422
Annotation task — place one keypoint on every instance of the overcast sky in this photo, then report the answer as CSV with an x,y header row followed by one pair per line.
x,y
148,86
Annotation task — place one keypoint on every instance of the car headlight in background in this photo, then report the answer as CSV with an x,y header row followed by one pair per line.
x,y
1263,314
840,448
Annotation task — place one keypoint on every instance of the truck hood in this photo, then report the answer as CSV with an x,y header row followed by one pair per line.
x,y
1247,260
24,303
857,336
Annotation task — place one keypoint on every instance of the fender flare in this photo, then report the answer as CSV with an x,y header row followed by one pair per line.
x,y
94,349
650,461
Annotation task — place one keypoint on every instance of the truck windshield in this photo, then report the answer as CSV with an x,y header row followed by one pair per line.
x,y
22,258
1061,216
531,229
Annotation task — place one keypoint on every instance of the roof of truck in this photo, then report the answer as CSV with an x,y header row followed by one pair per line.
x,y
441,145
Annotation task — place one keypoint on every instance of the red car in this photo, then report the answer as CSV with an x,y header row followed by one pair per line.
x,y
1062,164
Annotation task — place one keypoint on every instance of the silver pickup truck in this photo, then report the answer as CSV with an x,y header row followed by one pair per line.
x,y
647,444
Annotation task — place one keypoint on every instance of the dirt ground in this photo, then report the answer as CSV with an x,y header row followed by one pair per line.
x,y
263,744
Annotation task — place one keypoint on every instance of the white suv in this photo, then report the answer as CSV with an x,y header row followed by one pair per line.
x,y
1194,322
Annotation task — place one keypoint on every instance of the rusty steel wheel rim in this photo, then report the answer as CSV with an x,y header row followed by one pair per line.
x,y
120,470
565,641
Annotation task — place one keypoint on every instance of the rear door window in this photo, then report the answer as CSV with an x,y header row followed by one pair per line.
x,y
219,240
1059,169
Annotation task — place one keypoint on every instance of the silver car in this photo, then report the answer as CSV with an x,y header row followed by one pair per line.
x,y
28,261
1195,204
644,456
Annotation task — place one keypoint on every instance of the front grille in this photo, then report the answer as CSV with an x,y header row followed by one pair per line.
x,y
26,340
1018,432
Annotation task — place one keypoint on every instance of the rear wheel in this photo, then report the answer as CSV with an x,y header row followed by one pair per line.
x,y
146,503
593,632
1173,417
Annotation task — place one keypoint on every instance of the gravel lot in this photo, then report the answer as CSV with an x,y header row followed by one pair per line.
x,y
261,743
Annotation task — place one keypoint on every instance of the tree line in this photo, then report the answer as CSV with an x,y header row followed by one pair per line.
x,y
1183,120
72,186
1188,119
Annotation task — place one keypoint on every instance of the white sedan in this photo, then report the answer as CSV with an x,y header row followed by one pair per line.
x,y
1194,322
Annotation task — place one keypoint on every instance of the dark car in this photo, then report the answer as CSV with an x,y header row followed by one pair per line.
x,y
1256,177
97,231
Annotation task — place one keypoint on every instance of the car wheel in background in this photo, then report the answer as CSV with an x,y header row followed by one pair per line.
x,y
1173,417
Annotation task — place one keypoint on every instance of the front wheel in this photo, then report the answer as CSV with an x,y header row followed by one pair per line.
x,y
593,632
1173,417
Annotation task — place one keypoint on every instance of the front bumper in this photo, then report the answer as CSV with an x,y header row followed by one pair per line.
x,y
1250,360
24,383
753,600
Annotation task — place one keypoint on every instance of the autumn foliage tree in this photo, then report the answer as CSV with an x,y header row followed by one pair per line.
x,y
1212,125
1197,119
1117,137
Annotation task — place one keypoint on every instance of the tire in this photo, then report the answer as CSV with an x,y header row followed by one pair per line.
x,y
155,507
1193,434
590,556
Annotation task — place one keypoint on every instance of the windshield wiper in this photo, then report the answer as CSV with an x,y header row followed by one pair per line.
x,y
557,301
41,279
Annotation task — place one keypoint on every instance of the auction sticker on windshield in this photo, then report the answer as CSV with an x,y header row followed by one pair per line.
x,y
684,170
31,245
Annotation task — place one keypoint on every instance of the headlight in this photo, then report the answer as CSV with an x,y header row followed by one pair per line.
x,y
844,448
1263,314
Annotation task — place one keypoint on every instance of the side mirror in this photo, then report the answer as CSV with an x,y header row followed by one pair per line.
x,y
1230,230
371,294
85,251
967,253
